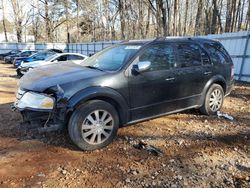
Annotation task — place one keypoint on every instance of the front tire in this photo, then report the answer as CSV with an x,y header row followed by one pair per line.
x,y
93,125
213,100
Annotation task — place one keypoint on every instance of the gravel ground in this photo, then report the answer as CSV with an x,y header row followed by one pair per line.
x,y
197,150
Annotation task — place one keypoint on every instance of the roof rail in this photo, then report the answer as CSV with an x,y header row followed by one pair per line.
x,y
139,40
159,38
178,37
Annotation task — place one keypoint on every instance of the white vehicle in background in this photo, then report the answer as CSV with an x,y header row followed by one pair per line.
x,y
56,58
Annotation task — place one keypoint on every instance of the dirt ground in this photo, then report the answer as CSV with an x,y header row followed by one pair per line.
x,y
198,151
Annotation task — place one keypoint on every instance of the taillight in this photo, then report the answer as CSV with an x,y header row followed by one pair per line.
x,y
232,71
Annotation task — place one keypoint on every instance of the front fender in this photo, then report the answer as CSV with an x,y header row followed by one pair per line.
x,y
100,93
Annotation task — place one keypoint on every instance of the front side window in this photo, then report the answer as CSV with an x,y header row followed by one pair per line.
x,y
113,58
161,57
188,55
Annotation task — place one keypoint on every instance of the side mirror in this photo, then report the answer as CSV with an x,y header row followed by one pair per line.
x,y
141,66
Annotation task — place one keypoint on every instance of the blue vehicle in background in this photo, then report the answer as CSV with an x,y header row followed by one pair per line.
x,y
42,55
24,53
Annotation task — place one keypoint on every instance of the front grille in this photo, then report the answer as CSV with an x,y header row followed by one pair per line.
x,y
19,94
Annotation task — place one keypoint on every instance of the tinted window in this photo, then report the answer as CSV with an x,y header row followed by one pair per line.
x,y
75,57
188,55
217,54
161,57
62,58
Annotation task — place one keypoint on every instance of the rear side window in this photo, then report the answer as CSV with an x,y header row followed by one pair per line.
x,y
75,57
161,56
188,55
217,54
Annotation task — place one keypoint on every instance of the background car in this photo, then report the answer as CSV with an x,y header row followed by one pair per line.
x,y
42,55
63,57
12,52
25,53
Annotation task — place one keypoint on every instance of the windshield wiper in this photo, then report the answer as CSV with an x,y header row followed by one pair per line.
x,y
92,67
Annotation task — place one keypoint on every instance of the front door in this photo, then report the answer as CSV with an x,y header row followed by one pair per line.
x,y
152,91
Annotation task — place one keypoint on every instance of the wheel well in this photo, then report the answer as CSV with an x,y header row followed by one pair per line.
x,y
222,84
115,104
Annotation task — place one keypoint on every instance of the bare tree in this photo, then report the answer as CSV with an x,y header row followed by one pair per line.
x,y
21,17
3,21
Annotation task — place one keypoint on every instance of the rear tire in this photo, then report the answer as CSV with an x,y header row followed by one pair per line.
x,y
213,100
93,125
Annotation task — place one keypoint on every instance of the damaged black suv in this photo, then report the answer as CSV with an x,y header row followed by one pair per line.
x,y
127,83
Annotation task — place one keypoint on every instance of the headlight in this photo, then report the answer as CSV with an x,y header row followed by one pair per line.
x,y
35,101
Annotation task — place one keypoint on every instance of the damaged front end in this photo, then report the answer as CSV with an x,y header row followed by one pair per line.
x,y
42,110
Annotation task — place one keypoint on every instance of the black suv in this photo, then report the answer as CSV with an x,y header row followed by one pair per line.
x,y
127,83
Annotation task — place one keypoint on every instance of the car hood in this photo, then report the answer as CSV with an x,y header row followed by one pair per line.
x,y
35,64
44,77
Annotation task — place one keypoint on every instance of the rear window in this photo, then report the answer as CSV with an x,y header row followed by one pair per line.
x,y
217,54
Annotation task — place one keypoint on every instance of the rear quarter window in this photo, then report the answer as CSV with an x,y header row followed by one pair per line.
x,y
217,54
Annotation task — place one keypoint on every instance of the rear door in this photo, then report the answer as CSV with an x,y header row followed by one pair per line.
x,y
221,60
192,73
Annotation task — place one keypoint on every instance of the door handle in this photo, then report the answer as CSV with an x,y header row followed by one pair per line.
x,y
170,78
207,72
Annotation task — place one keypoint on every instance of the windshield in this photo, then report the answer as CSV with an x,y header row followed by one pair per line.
x,y
49,58
111,59
43,55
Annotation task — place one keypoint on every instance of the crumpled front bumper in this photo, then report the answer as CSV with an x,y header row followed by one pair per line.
x,y
45,120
